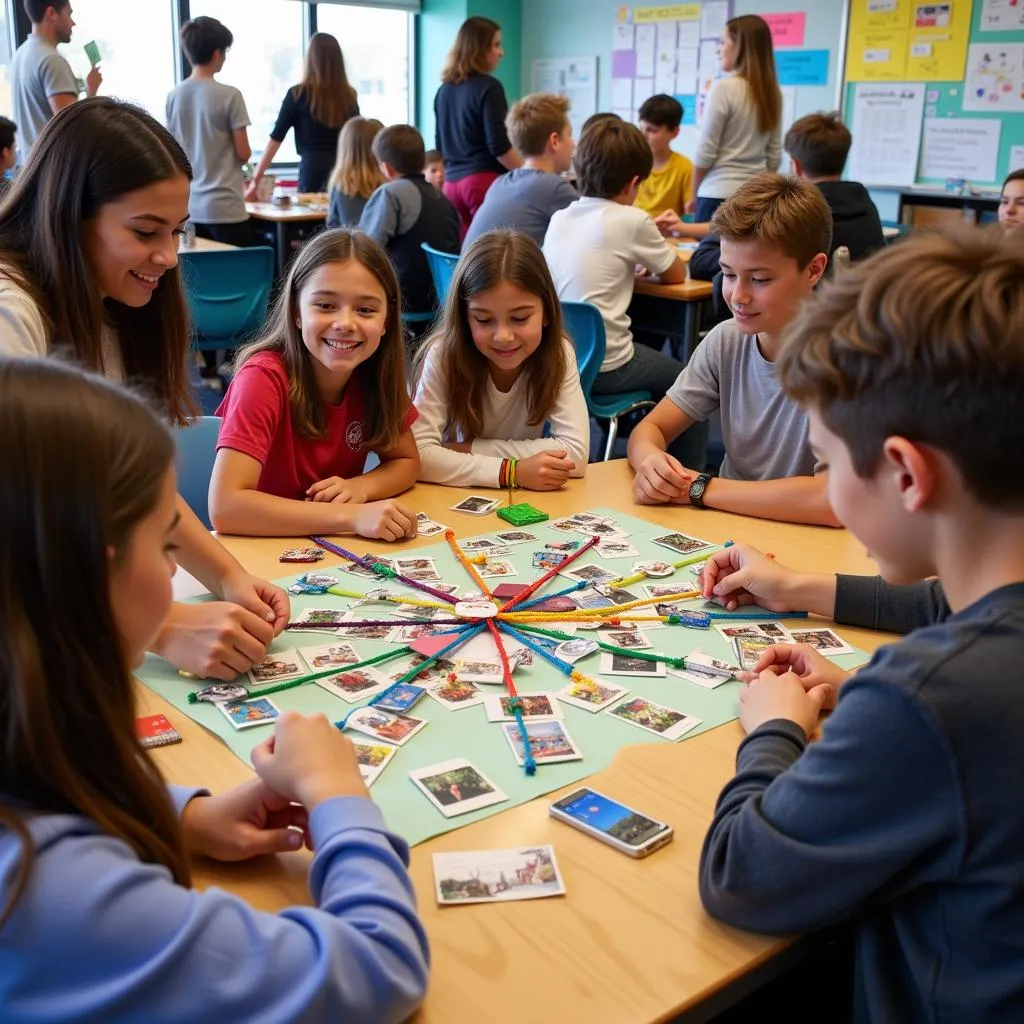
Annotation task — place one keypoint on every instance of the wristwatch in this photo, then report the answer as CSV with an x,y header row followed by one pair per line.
x,y
697,489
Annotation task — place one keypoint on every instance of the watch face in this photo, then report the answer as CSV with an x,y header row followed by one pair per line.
x,y
697,489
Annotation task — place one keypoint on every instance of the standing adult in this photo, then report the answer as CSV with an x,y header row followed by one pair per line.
x,y
469,111
317,108
42,81
741,133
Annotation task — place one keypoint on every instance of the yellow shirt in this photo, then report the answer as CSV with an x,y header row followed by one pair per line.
x,y
668,188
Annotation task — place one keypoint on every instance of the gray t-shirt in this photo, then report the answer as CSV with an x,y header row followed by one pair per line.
x,y
38,72
765,432
523,199
201,114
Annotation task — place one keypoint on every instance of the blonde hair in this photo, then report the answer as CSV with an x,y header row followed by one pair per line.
x,y
357,172
533,119
755,62
777,210
331,98
469,54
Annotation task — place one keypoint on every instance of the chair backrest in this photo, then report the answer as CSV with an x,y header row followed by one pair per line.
x,y
442,269
197,450
227,291
585,327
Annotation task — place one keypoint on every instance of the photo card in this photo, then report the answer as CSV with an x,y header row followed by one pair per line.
x,y
324,656
827,641
623,665
389,726
476,505
245,714
592,696
373,758
355,685
681,542
657,718
275,668
455,694
549,741
400,697
497,876
535,705
456,787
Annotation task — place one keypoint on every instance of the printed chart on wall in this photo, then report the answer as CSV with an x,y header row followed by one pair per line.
x,y
966,60
575,78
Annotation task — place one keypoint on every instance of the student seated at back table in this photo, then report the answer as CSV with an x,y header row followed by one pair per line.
x,y
356,175
8,152
775,233
433,168
405,212
1011,200
497,391
322,387
525,199
594,246
670,183
905,816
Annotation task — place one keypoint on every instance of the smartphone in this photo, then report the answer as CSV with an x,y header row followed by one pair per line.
x,y
92,51
630,832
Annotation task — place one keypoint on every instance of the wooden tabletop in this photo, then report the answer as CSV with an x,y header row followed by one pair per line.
x,y
205,245
631,941
685,291
295,212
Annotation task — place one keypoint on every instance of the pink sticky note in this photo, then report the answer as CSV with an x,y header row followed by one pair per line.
x,y
430,645
787,29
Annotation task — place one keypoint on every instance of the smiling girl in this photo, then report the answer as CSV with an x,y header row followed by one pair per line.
x,y
313,396
498,392
89,271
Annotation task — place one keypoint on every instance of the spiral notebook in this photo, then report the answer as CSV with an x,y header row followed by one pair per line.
x,y
156,731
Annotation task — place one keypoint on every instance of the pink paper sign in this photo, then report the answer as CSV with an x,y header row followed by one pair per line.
x,y
787,29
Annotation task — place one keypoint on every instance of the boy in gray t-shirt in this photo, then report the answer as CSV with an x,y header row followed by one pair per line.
x,y
775,233
209,119
524,200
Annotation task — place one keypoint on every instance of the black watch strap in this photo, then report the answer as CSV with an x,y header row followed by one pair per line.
x,y
697,489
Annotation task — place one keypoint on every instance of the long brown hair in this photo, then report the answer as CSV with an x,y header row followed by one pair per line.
x,y
469,54
357,172
495,257
82,462
90,154
755,61
331,98
382,378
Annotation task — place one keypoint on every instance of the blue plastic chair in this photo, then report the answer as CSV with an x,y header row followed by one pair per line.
x,y
585,326
197,449
227,292
442,269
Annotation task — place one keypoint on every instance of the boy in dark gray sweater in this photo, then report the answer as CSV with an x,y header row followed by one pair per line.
x,y
906,815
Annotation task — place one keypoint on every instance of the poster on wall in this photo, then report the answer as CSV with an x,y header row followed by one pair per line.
x,y
887,121
965,148
995,77
1001,16
575,78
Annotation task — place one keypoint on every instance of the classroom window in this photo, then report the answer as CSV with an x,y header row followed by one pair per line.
x,y
137,63
5,61
264,62
376,45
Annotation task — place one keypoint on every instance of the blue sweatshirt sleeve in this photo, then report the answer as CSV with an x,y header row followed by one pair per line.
x,y
101,936
803,838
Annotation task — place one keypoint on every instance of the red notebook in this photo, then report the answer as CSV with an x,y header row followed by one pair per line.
x,y
156,731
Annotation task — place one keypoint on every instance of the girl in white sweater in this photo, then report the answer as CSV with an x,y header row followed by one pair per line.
x,y
498,391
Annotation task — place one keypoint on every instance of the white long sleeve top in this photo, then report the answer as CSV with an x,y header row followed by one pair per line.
x,y
506,433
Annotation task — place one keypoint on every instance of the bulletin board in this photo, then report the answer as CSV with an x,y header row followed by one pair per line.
x,y
966,60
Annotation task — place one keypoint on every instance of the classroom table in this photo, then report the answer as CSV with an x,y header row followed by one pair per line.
x,y
204,245
655,308
630,942
286,227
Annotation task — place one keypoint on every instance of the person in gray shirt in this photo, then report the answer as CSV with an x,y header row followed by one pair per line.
x,y
525,199
42,82
209,119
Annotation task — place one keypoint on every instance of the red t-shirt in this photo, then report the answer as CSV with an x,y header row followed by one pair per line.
x,y
258,422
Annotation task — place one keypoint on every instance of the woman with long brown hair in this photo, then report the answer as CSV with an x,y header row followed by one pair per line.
x,y
356,175
469,111
498,392
98,920
89,270
741,131
317,108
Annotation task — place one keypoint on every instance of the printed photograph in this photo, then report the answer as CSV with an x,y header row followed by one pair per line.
x,y
330,656
243,714
274,667
650,716
681,542
592,696
549,741
492,876
386,725
456,785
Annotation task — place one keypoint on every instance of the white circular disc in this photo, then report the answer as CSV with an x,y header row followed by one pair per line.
x,y
476,609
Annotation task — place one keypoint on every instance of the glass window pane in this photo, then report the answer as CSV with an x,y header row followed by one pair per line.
x,y
5,63
143,74
376,47
264,62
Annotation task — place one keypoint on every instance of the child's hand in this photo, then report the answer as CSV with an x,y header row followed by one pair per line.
x,y
668,223
244,822
661,478
641,271
545,471
336,488
812,668
742,575
308,760
770,697
385,520
690,207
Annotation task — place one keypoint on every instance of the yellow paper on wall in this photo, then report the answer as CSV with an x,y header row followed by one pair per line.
x,y
674,12
876,15
940,54
877,57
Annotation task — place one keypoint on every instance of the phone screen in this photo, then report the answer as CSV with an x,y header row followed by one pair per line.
x,y
614,819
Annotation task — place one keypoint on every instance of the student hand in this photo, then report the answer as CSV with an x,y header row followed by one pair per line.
x,y
661,478
770,696
545,471
93,81
336,488
668,223
691,206
811,667
640,270
252,192
214,640
308,760
385,520
742,575
262,598
247,821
